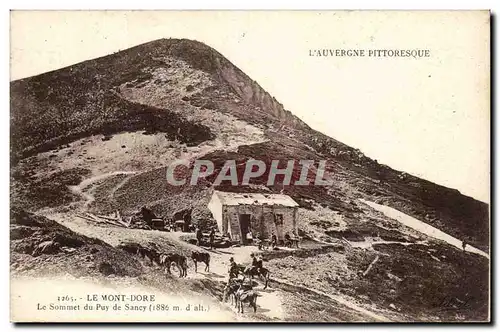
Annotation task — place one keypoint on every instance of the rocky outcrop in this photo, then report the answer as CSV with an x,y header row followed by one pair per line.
x,y
205,58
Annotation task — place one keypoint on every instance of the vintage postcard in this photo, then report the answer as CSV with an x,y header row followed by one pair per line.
x,y
250,166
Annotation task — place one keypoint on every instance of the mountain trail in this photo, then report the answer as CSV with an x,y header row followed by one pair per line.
x,y
422,227
89,198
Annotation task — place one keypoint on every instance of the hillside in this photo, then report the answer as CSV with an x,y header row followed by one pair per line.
x,y
97,137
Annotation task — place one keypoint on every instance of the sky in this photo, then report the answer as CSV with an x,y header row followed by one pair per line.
x,y
426,116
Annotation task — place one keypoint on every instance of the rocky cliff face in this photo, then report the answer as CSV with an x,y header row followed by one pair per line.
x,y
252,93
205,58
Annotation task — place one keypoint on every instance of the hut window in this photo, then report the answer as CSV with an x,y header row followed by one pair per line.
x,y
278,219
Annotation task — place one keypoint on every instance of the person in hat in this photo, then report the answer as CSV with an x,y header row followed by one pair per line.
x,y
246,285
233,269
256,262
274,240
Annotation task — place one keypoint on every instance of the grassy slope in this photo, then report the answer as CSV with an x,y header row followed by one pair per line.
x,y
405,278
60,106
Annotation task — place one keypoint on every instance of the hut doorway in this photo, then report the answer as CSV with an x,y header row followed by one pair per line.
x,y
244,226
278,221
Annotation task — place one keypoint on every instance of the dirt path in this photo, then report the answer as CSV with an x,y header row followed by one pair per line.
x,y
89,198
189,156
422,227
269,302
370,242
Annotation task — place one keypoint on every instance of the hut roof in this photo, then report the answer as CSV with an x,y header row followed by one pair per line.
x,y
228,198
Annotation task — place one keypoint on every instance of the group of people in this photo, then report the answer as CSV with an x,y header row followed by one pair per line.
x,y
289,240
235,269
241,290
211,237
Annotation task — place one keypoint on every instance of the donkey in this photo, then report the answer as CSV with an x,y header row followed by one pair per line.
x,y
246,296
261,272
166,260
204,257
230,290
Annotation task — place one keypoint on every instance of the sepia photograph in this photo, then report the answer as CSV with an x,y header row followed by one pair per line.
x,y
250,166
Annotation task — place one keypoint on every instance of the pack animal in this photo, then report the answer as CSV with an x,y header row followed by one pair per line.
x,y
230,290
149,253
246,296
144,252
204,257
167,260
261,272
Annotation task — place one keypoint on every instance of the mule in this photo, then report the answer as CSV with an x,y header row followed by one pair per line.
x,y
230,290
166,260
262,273
245,296
204,257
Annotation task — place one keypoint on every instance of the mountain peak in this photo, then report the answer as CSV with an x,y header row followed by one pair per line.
x,y
205,58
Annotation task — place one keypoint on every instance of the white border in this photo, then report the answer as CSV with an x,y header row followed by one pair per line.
x,y
494,5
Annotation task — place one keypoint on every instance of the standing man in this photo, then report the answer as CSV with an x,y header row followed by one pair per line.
x,y
234,269
274,240
249,237
295,238
212,238
288,240
199,236
258,240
